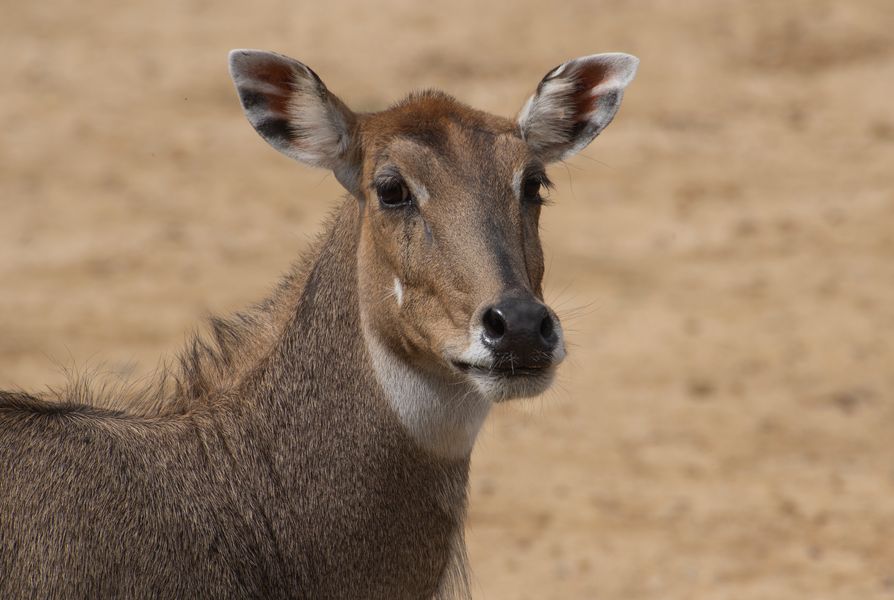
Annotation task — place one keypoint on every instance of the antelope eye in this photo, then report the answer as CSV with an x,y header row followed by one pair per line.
x,y
531,188
393,193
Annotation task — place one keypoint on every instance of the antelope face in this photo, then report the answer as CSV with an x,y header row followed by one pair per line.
x,y
450,264
450,251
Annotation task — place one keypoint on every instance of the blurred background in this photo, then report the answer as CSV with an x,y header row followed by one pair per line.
x,y
723,257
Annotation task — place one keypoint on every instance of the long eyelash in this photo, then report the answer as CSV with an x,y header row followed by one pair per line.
x,y
536,172
544,200
384,180
545,184
385,176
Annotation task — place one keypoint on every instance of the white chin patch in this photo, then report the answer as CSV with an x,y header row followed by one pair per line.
x,y
477,353
498,387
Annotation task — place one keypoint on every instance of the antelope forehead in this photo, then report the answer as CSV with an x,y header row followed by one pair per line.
x,y
458,164
453,143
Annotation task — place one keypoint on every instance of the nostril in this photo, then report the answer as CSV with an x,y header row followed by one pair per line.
x,y
547,329
494,324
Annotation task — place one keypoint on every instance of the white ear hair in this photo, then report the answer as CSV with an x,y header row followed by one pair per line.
x,y
290,107
574,102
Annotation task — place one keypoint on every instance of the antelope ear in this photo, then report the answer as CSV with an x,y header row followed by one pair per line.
x,y
288,104
574,102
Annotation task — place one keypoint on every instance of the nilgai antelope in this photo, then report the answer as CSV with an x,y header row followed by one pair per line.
x,y
318,446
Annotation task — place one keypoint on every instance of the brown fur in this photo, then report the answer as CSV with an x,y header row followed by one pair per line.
x,y
465,159
284,459
209,498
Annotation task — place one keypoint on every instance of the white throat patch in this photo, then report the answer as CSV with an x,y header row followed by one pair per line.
x,y
440,415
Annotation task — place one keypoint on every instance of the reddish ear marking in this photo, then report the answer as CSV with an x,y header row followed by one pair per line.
x,y
263,84
588,78
291,108
278,74
574,102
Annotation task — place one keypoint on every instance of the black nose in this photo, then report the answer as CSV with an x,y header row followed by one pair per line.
x,y
521,331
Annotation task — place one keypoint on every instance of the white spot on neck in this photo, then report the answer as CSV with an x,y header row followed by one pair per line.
x,y
441,415
398,292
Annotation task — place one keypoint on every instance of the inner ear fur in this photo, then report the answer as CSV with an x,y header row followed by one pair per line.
x,y
291,108
574,102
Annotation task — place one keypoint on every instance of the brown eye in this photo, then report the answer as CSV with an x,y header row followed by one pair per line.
x,y
531,188
393,193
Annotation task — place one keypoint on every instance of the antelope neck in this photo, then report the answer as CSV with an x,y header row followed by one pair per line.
x,y
441,415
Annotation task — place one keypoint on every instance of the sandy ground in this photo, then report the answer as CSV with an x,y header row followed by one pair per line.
x,y
723,256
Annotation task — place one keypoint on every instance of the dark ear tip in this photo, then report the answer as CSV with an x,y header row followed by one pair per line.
x,y
239,59
246,57
243,61
240,55
621,65
236,52
626,63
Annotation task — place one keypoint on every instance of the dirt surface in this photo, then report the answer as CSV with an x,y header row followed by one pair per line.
x,y
723,257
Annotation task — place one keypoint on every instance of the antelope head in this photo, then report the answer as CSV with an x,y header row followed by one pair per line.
x,y
450,264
